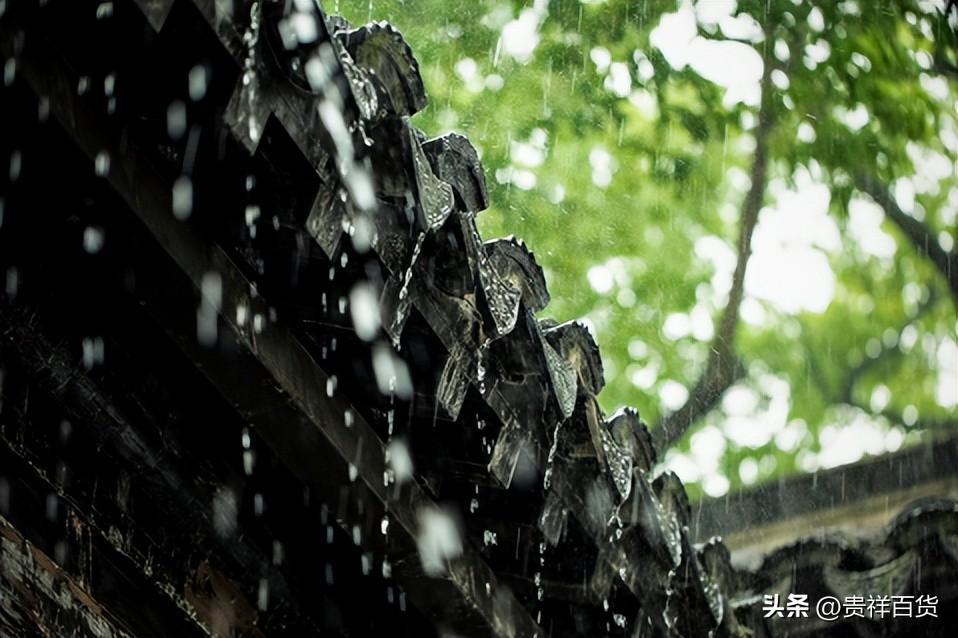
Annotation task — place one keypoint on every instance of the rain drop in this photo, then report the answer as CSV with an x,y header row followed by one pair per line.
x,y
93,240
102,164
182,197
198,82
176,120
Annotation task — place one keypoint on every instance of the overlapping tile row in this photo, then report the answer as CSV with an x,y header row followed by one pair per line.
x,y
540,380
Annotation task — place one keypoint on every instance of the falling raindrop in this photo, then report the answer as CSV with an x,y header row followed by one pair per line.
x,y
182,197
252,215
438,540
66,430
262,595
109,84
60,552
16,165
399,461
93,352
365,312
43,109
9,71
402,310
198,80
362,232
211,287
52,507
249,80
92,240
392,375
176,120
104,10
101,164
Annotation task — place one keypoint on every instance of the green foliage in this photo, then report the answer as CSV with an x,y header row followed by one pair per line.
x,y
625,181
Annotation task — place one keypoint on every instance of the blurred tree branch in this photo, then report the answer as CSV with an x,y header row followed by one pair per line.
x,y
845,392
724,367
941,64
919,234
945,67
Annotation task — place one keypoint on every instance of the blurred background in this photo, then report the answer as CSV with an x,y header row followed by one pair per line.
x,y
753,204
